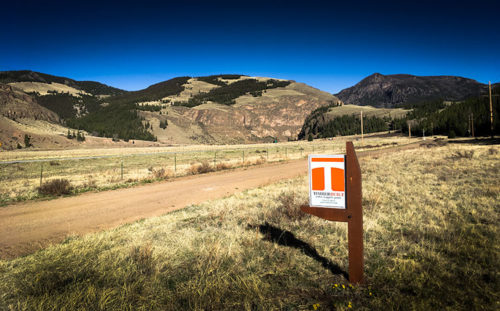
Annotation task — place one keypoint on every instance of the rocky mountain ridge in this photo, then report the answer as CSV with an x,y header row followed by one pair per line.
x,y
388,91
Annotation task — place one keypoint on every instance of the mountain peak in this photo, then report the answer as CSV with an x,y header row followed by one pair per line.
x,y
399,89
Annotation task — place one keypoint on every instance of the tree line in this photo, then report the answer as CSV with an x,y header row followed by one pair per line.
x,y
114,120
227,94
453,119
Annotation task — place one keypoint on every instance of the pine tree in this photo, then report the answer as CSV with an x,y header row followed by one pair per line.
x,y
27,142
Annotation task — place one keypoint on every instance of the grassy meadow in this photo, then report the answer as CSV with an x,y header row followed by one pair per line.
x,y
124,167
431,243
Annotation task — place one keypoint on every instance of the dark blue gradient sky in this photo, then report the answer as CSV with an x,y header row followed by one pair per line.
x,y
332,46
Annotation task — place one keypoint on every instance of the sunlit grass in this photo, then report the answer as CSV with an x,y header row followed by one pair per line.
x,y
129,166
431,243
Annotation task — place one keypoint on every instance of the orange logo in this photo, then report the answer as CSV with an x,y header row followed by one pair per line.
x,y
336,176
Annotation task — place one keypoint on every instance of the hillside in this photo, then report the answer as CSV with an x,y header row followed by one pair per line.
x,y
66,97
213,109
274,113
345,120
90,87
390,91
226,108
16,106
21,115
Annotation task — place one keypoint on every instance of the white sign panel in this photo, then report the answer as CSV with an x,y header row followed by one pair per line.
x,y
327,181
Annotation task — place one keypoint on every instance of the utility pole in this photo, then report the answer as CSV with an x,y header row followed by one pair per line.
x,y
472,123
491,110
469,131
361,127
409,130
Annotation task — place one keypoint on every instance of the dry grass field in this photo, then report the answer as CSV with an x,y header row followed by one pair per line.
x,y
431,243
20,181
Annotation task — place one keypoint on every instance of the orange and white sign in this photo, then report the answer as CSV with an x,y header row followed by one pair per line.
x,y
327,181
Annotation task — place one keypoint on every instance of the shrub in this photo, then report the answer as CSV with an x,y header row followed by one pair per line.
x,y
288,208
202,168
459,154
452,134
160,173
55,187
223,166
259,161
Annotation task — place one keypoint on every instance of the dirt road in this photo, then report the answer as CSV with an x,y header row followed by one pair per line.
x,y
27,227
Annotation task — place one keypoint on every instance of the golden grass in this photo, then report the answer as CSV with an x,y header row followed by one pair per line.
x,y
44,88
431,243
19,181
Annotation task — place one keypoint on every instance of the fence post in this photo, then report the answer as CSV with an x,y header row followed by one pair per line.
x,y
286,153
41,173
175,164
243,157
121,166
267,153
215,159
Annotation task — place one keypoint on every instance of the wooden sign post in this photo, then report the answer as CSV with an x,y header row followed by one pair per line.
x,y
352,212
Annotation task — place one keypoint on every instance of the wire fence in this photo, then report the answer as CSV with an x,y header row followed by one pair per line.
x,y
20,179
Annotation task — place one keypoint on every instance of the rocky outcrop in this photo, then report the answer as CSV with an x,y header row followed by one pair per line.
x,y
278,113
15,104
387,91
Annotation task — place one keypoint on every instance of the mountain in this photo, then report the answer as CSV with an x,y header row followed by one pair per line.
x,y
67,97
264,115
227,108
390,91
90,87
216,109
21,116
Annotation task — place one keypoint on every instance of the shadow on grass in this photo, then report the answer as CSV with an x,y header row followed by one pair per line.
x,y
286,238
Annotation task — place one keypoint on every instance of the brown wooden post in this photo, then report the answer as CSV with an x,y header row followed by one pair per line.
x,y
353,215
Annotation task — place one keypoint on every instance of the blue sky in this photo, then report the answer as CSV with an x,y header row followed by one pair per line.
x,y
132,45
